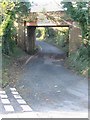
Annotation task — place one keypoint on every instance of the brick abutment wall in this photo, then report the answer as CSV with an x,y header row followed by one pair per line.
x,y
26,38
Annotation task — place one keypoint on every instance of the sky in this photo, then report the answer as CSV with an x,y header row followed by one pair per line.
x,y
47,5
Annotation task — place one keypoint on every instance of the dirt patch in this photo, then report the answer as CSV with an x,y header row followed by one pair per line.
x,y
14,69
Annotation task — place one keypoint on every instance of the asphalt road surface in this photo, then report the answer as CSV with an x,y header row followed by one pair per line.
x,y
46,85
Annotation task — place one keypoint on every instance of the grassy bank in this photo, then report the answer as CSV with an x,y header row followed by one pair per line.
x,y
79,61
11,66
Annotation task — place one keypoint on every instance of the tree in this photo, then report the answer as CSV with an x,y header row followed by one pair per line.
x,y
79,12
10,12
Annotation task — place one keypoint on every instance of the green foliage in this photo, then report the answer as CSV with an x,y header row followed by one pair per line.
x,y
62,40
21,10
40,33
11,12
58,37
55,36
79,61
50,32
8,36
79,12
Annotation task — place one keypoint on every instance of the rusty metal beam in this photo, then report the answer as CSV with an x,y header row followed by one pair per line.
x,y
48,26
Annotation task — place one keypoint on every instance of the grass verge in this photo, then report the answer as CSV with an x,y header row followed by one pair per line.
x,y
79,62
11,66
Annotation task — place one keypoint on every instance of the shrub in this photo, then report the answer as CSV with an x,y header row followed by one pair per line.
x,y
9,32
40,33
50,32
79,60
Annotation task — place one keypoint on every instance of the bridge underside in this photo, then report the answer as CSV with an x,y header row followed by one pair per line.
x,y
54,18
27,31
31,36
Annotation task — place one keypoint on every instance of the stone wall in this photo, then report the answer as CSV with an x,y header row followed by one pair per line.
x,y
26,38
75,39
21,36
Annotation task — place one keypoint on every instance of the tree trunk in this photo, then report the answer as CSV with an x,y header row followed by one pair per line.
x,y
30,45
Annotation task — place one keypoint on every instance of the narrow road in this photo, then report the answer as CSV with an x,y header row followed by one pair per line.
x,y
46,48
46,85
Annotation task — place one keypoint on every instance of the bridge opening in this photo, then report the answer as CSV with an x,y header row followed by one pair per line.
x,y
56,36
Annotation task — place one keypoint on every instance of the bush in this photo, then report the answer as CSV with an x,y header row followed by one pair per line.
x,y
79,60
58,37
8,37
40,33
50,32
62,40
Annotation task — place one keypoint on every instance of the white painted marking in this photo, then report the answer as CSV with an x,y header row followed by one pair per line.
x,y
26,108
15,93
21,101
5,101
9,108
17,96
3,96
2,92
13,89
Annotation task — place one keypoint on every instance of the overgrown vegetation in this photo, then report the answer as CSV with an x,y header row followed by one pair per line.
x,y
80,12
79,61
40,33
10,12
59,37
